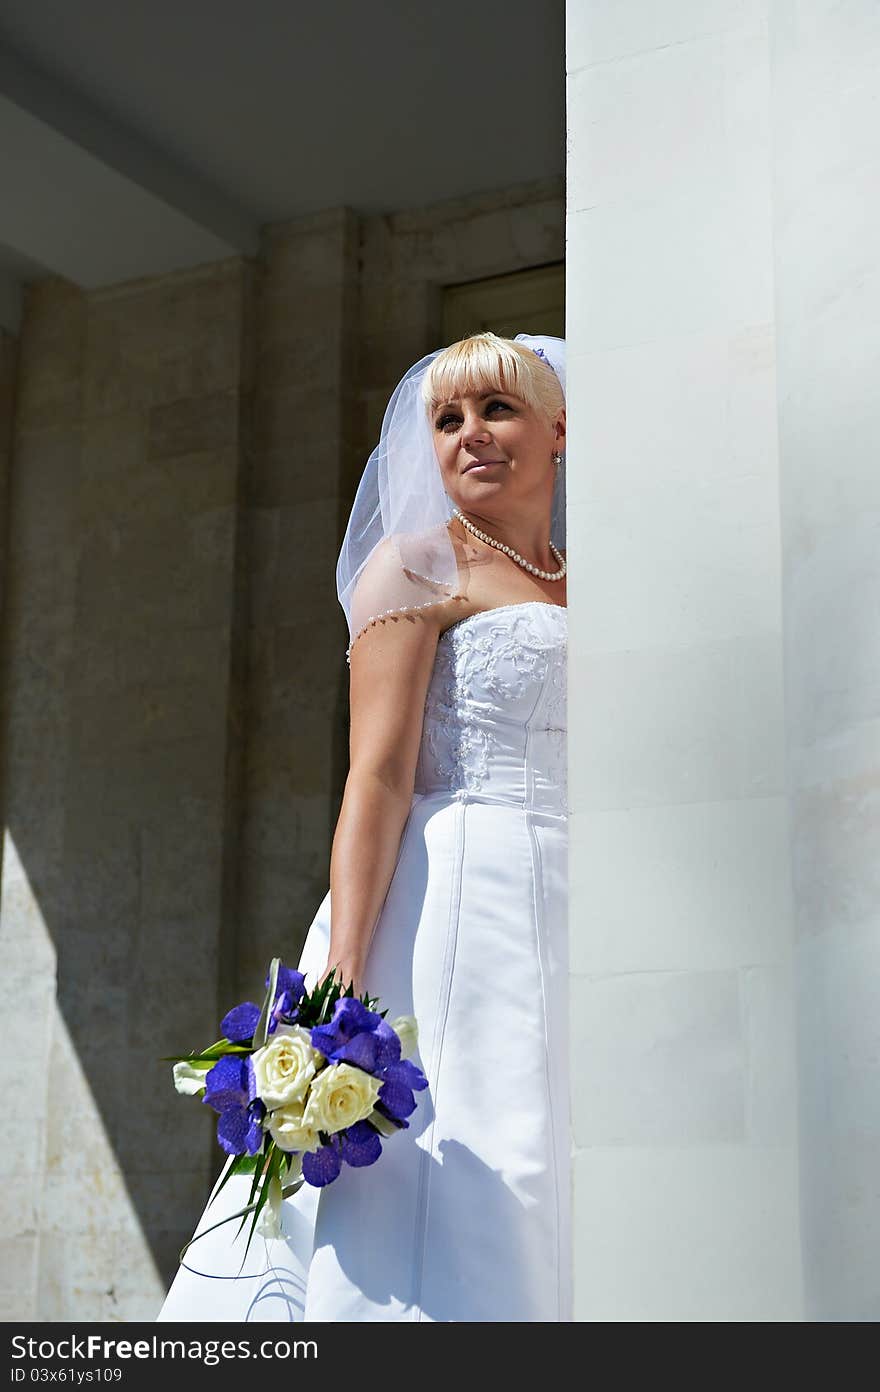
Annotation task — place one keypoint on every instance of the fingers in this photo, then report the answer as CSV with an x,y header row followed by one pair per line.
x,y
345,976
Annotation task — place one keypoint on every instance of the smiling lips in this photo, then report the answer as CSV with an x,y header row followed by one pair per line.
x,y
478,463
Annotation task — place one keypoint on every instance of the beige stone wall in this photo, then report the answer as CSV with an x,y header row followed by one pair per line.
x,y
124,674
175,727
37,643
8,368
295,729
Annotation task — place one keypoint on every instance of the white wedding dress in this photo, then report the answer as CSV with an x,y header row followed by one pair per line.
x,y
465,1216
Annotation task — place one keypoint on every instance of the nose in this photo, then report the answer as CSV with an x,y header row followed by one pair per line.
x,y
473,426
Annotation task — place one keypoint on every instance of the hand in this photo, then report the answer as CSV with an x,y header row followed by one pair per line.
x,y
346,971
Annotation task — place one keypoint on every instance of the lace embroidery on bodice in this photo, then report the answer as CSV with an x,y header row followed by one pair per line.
x,y
495,711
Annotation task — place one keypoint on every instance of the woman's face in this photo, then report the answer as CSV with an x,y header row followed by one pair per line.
x,y
494,448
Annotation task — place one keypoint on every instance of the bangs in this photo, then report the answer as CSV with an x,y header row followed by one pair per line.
x,y
485,362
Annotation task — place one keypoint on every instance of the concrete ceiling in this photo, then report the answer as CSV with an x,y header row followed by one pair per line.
x,y
143,137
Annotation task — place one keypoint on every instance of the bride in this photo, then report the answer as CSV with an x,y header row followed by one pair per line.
x,y
448,874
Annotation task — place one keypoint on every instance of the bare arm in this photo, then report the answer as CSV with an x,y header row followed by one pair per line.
x,y
391,666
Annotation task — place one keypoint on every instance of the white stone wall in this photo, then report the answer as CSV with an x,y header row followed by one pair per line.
x,y
684,1114
826,190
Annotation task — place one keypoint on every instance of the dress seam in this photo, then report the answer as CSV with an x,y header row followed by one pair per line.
x,y
543,969
427,1152
537,889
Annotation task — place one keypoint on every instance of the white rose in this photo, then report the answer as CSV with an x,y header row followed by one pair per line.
x,y
406,1028
285,1066
288,1129
340,1096
189,1080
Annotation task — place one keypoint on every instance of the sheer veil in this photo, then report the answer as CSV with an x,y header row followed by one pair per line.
x,y
397,554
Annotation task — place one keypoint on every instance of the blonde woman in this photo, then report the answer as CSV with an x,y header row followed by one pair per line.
x,y
448,874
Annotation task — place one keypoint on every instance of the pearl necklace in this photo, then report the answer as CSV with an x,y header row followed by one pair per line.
x,y
514,555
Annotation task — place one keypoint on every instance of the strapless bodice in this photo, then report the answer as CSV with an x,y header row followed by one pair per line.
x,y
495,721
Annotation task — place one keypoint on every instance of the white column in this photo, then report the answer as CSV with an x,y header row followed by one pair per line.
x,y
684,1116
826,78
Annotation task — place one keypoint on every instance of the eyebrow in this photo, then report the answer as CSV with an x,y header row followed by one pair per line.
x,y
481,396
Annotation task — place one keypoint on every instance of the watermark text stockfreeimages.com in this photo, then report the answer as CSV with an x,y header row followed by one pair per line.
x,y
99,1348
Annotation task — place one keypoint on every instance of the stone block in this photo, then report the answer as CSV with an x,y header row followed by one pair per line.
x,y
603,32
180,862
699,737
309,749
686,1234
94,1278
45,495
769,1028
712,889
663,1059
156,341
297,427
158,780
183,486
193,424
171,654
708,271
712,546
835,822
19,1257
308,543
52,339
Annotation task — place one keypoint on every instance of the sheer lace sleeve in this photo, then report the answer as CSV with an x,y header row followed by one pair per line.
x,y
403,574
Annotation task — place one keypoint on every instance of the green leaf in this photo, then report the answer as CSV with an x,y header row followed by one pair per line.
x,y
273,1168
238,1163
257,1176
236,1167
261,1033
320,993
206,1055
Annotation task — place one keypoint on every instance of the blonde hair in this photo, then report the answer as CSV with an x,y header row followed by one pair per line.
x,y
485,361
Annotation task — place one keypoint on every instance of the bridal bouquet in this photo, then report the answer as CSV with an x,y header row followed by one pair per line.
x,y
310,1082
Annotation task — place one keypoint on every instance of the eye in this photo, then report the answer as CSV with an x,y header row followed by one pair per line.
x,y
451,416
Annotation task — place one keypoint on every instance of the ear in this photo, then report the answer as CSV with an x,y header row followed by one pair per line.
x,y
559,427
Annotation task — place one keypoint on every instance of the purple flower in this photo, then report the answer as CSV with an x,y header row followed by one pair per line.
x,y
238,1024
230,1081
388,1045
357,1145
239,1129
231,1089
241,1021
321,1167
396,1094
361,1144
539,353
289,982
289,989
356,1035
